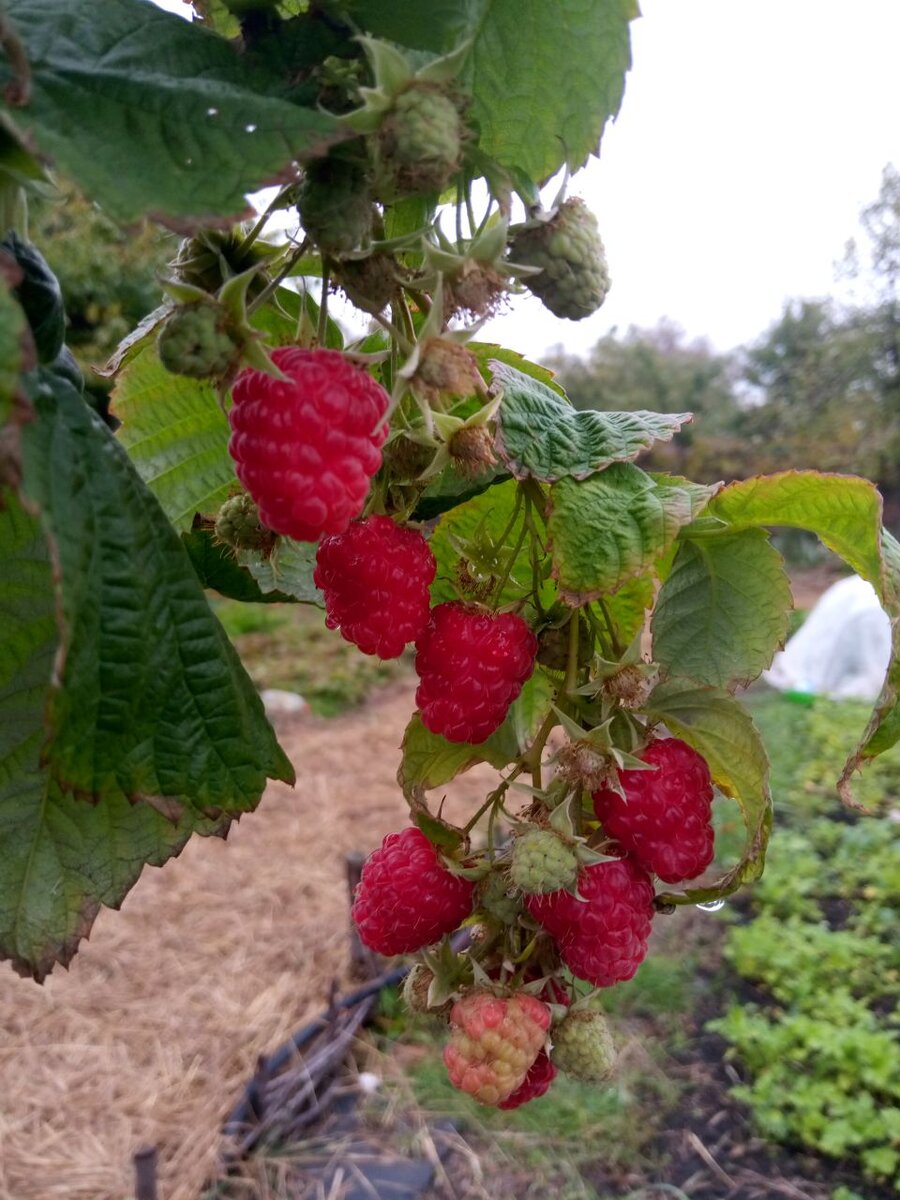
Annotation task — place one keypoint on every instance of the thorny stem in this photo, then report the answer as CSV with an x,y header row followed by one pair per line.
x,y
510,525
470,211
599,633
261,223
398,338
322,329
422,302
535,494
617,647
401,312
531,762
514,554
495,796
272,287
571,679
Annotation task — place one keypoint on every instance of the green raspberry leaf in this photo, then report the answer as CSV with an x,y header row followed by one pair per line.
x,y
570,59
491,356
155,704
723,609
883,728
62,856
287,570
96,783
429,760
540,435
216,568
177,437
845,513
613,526
720,729
626,610
150,114
842,510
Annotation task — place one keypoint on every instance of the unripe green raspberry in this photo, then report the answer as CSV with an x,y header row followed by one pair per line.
x,y
583,1046
370,283
335,205
574,277
419,142
238,525
210,258
542,862
195,341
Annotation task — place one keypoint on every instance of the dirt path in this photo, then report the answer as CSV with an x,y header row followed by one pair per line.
x,y
212,961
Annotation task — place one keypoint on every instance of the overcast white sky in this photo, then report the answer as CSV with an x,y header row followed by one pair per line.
x,y
751,134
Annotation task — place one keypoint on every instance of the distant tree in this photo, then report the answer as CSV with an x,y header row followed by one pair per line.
x,y
873,262
813,378
656,369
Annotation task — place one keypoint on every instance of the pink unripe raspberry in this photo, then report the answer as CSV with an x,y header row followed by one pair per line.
x,y
472,665
375,578
602,937
406,898
494,1042
664,820
305,448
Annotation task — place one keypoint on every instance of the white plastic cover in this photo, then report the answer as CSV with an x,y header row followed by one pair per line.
x,y
841,650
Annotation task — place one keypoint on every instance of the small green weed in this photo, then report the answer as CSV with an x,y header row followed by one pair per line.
x,y
824,1056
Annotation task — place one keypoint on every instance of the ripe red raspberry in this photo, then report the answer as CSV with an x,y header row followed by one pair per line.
x,y
664,819
602,938
376,578
540,1075
494,1042
306,449
472,665
406,898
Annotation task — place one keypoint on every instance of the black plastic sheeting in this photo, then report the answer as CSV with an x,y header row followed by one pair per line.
x,y
247,1108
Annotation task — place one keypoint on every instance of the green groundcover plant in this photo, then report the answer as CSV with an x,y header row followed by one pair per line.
x,y
820,1039
423,486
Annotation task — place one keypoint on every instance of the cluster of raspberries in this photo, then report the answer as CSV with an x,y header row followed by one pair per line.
x,y
305,448
409,897
471,663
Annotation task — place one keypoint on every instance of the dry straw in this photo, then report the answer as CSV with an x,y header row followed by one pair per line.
x,y
214,960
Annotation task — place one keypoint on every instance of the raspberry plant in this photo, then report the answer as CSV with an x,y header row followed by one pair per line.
x,y
439,490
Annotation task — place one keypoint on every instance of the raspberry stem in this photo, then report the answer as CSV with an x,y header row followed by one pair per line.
x,y
263,220
274,284
322,328
571,679
493,799
532,760
514,554
536,495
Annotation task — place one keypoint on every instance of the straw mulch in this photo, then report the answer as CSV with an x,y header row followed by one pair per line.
x,y
213,960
